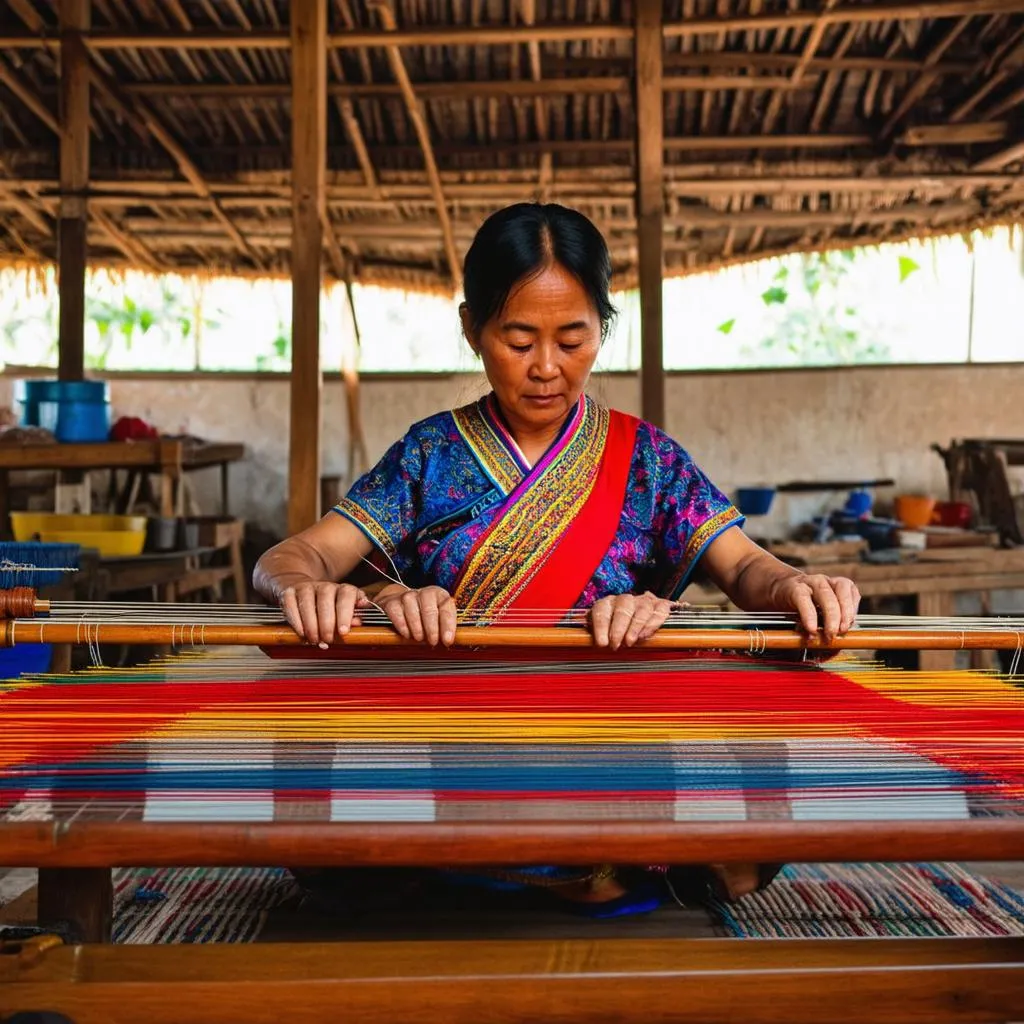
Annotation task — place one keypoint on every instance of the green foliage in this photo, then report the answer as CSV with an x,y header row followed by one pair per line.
x,y
907,267
280,355
814,322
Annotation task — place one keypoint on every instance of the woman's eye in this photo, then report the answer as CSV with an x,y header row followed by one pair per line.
x,y
521,348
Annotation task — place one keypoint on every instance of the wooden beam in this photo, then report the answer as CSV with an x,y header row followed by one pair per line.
x,y
1003,158
152,124
309,148
28,97
795,79
133,248
650,205
72,246
502,35
702,218
926,78
954,134
415,112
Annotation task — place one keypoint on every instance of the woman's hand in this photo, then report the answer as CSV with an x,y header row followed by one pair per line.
x,y
321,611
626,619
427,614
835,597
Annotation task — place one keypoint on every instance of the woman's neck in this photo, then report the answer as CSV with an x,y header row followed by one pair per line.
x,y
533,443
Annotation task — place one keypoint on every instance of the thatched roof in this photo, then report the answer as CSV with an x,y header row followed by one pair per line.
x,y
787,125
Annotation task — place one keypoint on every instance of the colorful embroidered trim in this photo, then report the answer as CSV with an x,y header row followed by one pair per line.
x,y
377,534
702,536
487,445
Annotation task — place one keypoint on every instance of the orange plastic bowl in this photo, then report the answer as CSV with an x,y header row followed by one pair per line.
x,y
914,510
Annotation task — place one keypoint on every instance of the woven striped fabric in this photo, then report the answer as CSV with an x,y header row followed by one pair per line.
x,y
686,739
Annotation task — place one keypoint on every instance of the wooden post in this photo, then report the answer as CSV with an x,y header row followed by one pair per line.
x,y
309,145
74,180
650,206
79,898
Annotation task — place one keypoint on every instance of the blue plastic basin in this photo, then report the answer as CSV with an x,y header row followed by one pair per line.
x,y
755,501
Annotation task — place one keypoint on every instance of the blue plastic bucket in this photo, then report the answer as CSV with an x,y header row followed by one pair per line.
x,y
71,420
29,393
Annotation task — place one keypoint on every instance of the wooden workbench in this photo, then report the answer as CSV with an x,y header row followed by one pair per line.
x,y
170,458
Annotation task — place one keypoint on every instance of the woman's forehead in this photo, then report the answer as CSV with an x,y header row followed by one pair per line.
x,y
554,289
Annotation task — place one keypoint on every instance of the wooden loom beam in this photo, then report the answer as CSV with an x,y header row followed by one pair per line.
x,y
42,630
91,843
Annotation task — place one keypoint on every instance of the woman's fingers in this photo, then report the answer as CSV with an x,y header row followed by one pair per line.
x,y
828,604
600,620
849,602
660,612
803,604
430,616
411,608
290,607
643,610
622,616
447,619
345,599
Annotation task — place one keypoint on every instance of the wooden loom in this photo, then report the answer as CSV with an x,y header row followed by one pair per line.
x,y
225,699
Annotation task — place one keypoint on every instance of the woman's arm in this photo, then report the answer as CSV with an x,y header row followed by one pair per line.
x,y
755,580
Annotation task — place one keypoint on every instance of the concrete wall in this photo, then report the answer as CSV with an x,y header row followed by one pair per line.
x,y
743,428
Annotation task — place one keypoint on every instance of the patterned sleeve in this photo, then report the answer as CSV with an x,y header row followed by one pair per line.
x,y
689,512
385,502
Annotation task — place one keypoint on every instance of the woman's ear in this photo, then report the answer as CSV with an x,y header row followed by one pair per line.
x,y
467,327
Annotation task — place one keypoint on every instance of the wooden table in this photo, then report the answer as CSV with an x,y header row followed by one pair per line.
x,y
171,458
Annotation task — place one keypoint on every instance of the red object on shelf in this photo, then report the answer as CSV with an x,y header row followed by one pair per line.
x,y
131,428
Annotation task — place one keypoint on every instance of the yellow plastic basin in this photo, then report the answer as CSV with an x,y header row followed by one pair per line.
x,y
111,536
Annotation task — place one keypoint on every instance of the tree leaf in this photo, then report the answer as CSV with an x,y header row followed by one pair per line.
x,y
774,295
726,328
146,320
781,274
907,267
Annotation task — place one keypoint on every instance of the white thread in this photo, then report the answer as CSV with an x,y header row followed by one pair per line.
x,y
399,580
1015,663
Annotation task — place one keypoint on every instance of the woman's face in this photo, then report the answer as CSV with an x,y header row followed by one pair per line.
x,y
539,350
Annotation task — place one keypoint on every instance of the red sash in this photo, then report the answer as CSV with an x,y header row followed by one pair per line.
x,y
571,564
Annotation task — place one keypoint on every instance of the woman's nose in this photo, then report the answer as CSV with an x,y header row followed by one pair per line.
x,y
545,363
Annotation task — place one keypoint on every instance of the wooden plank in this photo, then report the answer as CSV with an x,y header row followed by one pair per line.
x,y
100,455
309,148
650,205
91,843
891,981
72,243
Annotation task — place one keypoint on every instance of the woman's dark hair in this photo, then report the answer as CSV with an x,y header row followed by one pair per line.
x,y
519,242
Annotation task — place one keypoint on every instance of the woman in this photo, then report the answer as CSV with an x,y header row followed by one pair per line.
x,y
536,497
